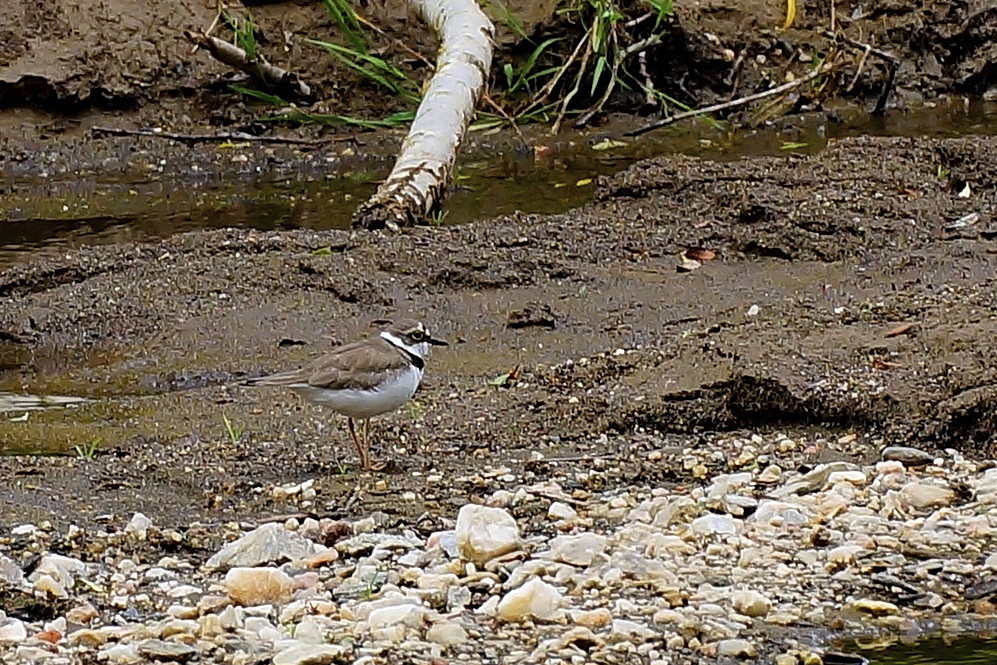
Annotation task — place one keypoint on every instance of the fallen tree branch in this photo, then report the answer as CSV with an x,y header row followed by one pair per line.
x,y
734,103
416,185
280,80
209,138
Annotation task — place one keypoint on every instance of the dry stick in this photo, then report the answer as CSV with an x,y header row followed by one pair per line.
x,y
578,84
508,118
892,62
648,83
858,70
209,138
786,87
549,87
597,107
261,70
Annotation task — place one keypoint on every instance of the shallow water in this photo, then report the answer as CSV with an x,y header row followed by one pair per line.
x,y
939,651
46,216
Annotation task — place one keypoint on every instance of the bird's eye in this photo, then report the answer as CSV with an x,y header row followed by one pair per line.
x,y
417,335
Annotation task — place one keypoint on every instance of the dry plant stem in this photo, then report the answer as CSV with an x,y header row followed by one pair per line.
x,y
639,47
858,70
778,90
634,22
261,71
505,116
578,82
648,83
597,107
206,138
545,92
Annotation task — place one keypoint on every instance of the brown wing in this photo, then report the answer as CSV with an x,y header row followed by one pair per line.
x,y
360,365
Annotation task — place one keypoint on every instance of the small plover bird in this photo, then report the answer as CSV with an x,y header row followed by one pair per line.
x,y
364,379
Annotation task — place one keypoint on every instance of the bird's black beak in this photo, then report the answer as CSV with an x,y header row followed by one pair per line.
x,y
437,342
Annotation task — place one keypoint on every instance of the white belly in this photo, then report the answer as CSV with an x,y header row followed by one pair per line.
x,y
366,403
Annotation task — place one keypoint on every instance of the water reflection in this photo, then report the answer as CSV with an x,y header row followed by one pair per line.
x,y
961,651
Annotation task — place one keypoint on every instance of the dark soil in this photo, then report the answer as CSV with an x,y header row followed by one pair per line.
x,y
126,64
845,298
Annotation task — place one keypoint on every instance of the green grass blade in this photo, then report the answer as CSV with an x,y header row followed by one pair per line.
x,y
346,19
258,94
600,66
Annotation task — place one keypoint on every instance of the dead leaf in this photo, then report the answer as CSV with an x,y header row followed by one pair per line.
x,y
508,378
700,254
608,144
902,329
688,265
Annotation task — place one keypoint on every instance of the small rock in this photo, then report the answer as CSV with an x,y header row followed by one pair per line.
x,y
87,638
533,314
561,511
138,526
121,653
907,456
751,603
535,599
168,651
856,478
408,614
484,533
920,495
736,648
62,569
714,525
13,630
270,543
596,618
446,633
258,586
578,550
310,654
11,573
876,608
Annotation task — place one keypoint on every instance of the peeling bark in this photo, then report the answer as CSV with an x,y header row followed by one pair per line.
x,y
424,168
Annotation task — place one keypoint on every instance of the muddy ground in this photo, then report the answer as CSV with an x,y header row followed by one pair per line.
x,y
849,305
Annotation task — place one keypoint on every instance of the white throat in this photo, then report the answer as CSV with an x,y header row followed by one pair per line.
x,y
421,349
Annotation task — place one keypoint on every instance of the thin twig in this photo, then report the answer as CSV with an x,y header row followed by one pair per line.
x,y
597,107
548,88
640,46
634,22
210,138
268,75
648,86
505,116
858,70
778,90
892,62
578,84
